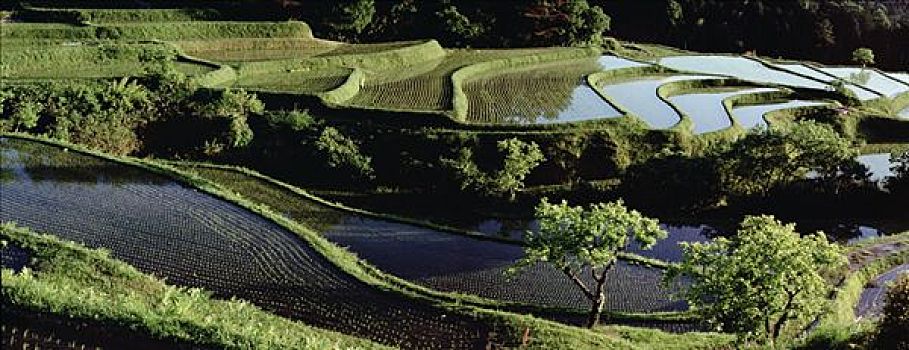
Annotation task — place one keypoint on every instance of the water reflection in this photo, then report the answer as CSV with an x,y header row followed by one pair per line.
x,y
870,79
751,117
879,165
640,97
706,110
738,67
860,92
29,161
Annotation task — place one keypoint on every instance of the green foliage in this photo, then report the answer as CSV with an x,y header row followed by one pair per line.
x,y
341,152
459,26
574,240
520,158
570,22
349,16
863,56
767,159
761,280
899,182
894,326
229,113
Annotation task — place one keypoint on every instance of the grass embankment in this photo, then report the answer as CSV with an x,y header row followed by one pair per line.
x,y
69,279
510,327
839,325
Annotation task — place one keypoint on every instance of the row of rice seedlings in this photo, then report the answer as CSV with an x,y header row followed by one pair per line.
x,y
429,91
528,94
235,50
307,81
446,261
193,239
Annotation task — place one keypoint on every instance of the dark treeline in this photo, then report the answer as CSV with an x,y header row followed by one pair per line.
x,y
826,31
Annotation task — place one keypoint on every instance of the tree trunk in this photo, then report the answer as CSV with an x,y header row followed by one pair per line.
x,y
594,318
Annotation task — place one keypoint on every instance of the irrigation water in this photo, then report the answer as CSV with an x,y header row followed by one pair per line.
x,y
739,67
639,96
706,110
750,117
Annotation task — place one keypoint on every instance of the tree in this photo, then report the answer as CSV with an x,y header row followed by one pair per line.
x,y
575,240
779,156
759,281
571,22
350,16
519,160
894,326
342,153
863,56
25,115
229,112
898,184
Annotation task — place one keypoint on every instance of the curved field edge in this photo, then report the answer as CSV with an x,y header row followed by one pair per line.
x,y
837,325
547,334
297,191
460,77
69,279
517,307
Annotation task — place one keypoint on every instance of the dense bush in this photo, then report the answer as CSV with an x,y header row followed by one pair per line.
x,y
519,158
162,114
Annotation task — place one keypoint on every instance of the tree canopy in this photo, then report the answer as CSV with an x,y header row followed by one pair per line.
x,y
760,280
575,239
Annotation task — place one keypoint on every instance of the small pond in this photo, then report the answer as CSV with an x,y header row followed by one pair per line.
x,y
753,116
870,79
640,97
706,110
739,67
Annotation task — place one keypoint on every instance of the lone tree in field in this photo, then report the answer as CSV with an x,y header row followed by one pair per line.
x,y
764,278
863,56
577,241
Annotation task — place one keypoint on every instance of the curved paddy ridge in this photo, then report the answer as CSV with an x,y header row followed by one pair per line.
x,y
751,117
640,98
193,239
706,110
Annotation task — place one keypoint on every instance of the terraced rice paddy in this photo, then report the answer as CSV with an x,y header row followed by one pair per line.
x,y
904,113
193,239
860,92
750,117
639,97
236,50
903,77
306,81
871,302
609,62
706,110
870,79
452,262
551,93
422,89
739,67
